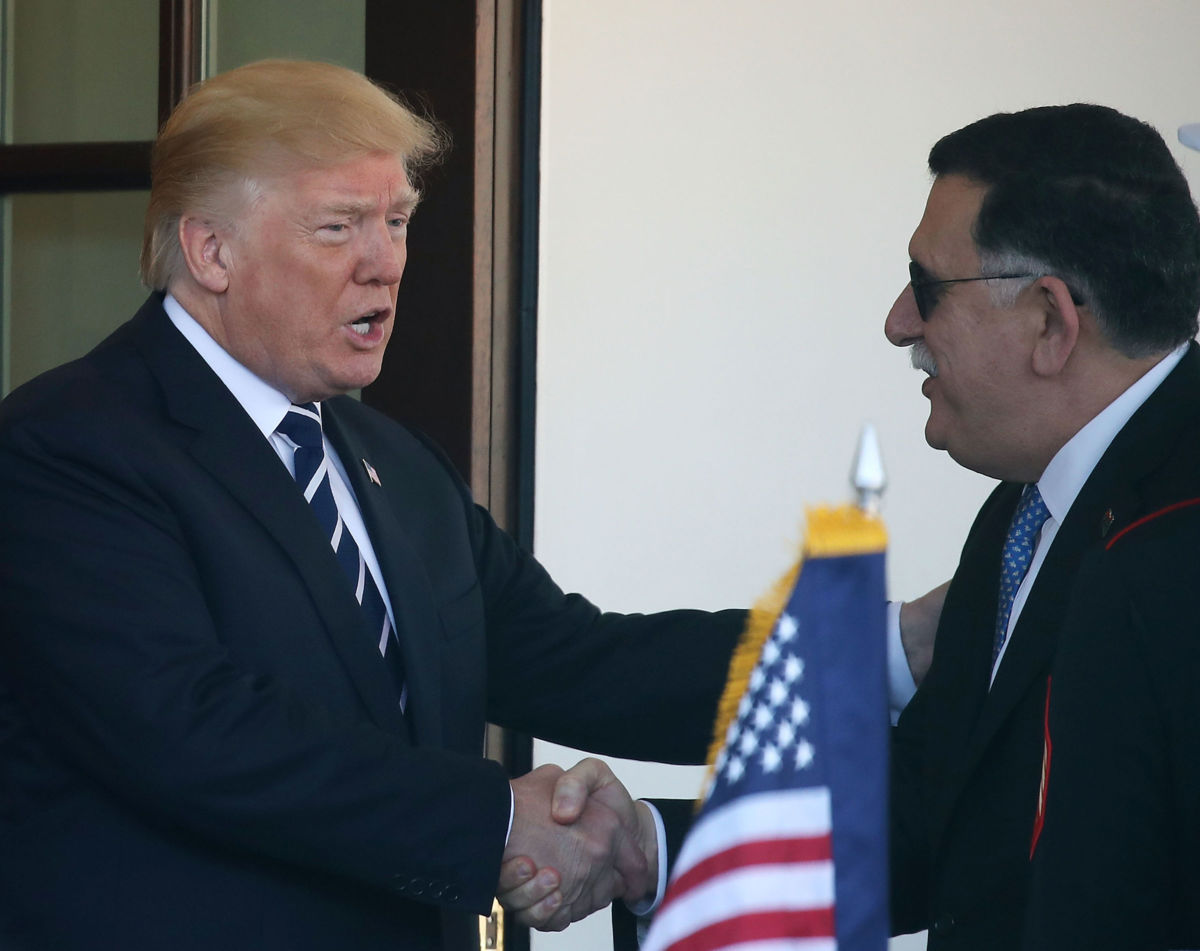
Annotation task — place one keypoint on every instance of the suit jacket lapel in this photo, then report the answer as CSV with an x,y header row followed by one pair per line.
x,y
963,651
1030,652
1111,490
224,440
412,598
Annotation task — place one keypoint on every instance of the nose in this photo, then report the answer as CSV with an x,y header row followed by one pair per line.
x,y
383,256
903,326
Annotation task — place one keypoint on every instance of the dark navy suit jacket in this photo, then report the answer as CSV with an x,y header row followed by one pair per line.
x,y
967,761
1113,622
199,745
1117,860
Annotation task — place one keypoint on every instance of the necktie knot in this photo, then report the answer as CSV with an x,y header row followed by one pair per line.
x,y
302,425
1031,513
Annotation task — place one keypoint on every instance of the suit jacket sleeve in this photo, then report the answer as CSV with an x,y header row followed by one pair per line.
x,y
639,686
631,685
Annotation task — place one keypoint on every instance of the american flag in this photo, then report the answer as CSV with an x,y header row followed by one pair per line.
x,y
789,850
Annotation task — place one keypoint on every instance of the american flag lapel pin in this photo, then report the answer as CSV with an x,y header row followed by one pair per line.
x,y
371,473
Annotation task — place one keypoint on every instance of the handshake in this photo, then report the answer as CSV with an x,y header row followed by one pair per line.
x,y
578,842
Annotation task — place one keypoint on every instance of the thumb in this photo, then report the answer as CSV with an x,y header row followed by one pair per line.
x,y
573,788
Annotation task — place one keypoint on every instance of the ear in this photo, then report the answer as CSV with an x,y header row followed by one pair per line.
x,y
205,253
1058,329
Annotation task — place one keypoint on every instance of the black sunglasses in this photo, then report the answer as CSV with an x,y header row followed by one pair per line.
x,y
926,289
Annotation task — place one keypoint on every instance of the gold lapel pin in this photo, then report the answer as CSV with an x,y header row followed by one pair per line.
x,y
1106,522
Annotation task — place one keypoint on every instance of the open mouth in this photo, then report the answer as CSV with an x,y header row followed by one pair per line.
x,y
363,325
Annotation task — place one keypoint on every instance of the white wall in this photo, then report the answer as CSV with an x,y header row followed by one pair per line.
x,y
727,195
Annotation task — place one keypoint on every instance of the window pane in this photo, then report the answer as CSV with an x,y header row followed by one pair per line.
x,y
84,72
240,31
72,275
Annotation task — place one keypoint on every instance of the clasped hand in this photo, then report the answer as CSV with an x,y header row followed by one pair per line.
x,y
578,842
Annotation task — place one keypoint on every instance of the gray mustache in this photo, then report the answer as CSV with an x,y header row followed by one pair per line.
x,y
922,359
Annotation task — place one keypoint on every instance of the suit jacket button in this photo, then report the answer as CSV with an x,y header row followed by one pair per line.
x,y
944,925
453,894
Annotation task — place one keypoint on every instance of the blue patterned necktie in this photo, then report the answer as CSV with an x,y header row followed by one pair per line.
x,y
1018,551
302,427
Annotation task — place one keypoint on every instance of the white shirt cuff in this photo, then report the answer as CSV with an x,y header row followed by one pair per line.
x,y
901,685
512,813
648,905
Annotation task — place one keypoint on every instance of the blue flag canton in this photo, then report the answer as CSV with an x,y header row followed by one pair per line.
x,y
771,745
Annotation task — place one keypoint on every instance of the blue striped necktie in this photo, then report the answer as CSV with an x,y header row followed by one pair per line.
x,y
1018,552
302,427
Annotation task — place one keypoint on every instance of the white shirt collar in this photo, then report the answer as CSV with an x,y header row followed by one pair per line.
x,y
265,405
1074,462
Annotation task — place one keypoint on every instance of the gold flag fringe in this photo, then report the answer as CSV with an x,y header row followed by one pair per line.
x,y
831,532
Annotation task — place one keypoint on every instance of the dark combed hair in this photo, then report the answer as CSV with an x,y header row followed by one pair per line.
x,y
1097,199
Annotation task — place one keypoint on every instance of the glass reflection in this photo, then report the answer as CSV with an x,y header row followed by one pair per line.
x,y
71,275
83,72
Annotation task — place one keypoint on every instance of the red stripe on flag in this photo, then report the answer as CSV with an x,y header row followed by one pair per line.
x,y
745,854
763,926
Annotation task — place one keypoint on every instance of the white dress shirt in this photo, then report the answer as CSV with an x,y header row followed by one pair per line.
x,y
1059,486
266,406
1071,467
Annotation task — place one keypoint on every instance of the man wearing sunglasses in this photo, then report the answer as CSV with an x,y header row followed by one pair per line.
x,y
1046,776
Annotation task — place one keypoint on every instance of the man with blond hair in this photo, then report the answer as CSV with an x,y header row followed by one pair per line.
x,y
251,630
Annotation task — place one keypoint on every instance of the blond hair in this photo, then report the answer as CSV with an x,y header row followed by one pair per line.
x,y
237,130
